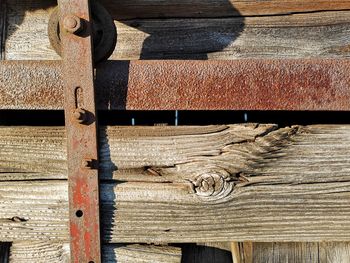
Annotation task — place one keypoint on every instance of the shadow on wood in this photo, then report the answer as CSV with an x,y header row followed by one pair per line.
x,y
183,37
192,253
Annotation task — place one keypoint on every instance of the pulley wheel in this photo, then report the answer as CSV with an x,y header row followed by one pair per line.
x,y
104,32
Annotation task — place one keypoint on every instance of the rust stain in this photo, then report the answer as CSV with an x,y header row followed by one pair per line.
x,y
75,238
80,188
81,128
249,84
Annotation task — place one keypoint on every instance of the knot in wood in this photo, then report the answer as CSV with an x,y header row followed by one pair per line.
x,y
213,185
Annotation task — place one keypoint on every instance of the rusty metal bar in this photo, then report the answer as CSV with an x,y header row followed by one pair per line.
x,y
250,84
81,130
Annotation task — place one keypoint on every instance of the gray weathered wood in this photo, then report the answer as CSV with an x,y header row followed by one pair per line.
x,y
53,252
299,32
323,252
186,184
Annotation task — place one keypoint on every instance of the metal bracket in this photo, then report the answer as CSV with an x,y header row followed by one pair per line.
x,y
81,128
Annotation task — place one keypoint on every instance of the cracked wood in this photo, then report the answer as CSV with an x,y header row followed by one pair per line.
x,y
185,184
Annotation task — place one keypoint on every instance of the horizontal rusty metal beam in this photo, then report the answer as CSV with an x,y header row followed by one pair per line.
x,y
249,84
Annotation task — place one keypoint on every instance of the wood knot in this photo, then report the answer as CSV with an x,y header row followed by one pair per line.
x,y
213,185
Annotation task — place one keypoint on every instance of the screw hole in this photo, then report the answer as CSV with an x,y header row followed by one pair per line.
x,y
79,213
91,262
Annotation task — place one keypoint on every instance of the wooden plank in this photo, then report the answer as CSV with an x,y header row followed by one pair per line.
x,y
173,184
131,9
124,9
235,251
53,252
246,251
334,252
294,35
291,252
141,253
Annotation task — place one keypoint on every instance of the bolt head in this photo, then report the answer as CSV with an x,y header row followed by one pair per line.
x,y
88,163
72,24
80,115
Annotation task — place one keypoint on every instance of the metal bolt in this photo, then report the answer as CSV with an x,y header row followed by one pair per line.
x,y
89,163
86,163
72,24
80,115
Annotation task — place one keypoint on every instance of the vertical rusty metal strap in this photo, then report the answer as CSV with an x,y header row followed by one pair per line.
x,y
81,128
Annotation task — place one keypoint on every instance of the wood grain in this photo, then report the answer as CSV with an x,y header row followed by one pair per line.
x,y
195,30
53,252
129,9
291,252
187,184
310,29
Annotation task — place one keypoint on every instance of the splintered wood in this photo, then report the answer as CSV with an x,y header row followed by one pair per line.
x,y
185,184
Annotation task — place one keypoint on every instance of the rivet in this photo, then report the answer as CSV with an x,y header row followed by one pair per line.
x,y
72,24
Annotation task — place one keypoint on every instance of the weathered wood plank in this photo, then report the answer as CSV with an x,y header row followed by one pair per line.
x,y
323,252
235,251
27,29
297,36
334,252
191,184
315,34
128,9
245,251
250,252
53,252
141,254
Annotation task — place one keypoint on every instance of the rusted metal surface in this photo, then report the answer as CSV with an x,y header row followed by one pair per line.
x,y
81,127
104,32
300,84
